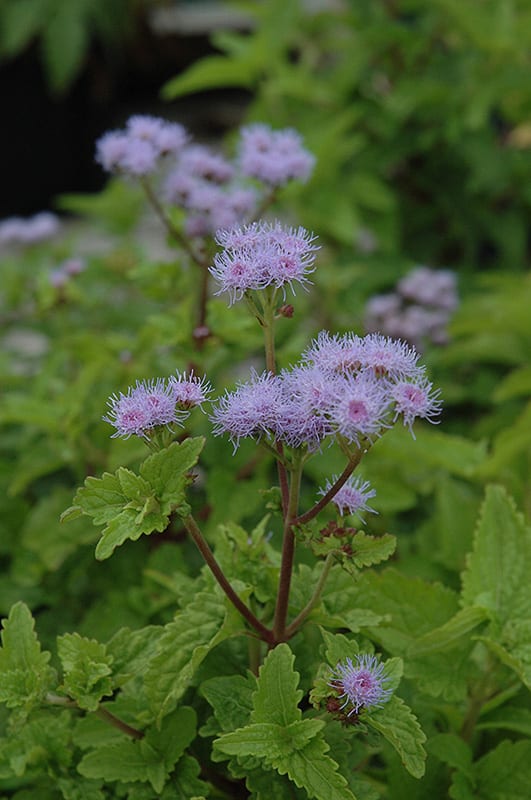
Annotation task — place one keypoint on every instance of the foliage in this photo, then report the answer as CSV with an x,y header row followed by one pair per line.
x,y
180,662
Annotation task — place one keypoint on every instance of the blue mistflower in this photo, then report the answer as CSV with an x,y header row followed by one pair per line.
x,y
361,683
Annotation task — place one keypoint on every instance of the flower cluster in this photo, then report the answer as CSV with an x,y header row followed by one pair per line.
x,y
213,192
30,230
62,274
418,310
155,403
352,497
137,149
274,157
349,386
361,683
262,254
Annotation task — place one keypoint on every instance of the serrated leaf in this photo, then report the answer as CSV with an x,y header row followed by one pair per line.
x,y
505,772
24,672
231,699
120,761
132,651
269,741
87,669
396,722
167,470
183,645
185,781
277,697
369,550
496,578
315,772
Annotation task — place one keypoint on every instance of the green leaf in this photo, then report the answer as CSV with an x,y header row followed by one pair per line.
x,y
43,743
64,43
25,676
132,651
183,645
231,698
149,759
505,772
185,781
507,718
400,727
20,22
268,741
130,505
451,633
314,771
209,73
87,670
452,750
496,578
369,550
277,697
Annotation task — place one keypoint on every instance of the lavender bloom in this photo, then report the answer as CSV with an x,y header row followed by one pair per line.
x,y
260,255
145,406
414,400
250,410
201,162
189,391
336,354
418,310
136,151
361,407
391,357
352,497
361,683
30,230
274,157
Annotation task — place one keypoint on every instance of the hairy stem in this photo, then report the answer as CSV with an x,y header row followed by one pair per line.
x,y
204,548
288,553
292,629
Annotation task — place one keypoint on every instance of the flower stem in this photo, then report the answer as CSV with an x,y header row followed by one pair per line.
x,y
354,460
203,547
288,553
292,629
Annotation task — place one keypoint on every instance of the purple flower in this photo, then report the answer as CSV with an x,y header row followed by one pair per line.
x,y
352,497
361,407
262,254
335,354
30,230
189,391
145,406
274,157
361,683
390,357
250,410
136,150
201,162
414,400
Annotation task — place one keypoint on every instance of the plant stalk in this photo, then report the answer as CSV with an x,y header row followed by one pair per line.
x,y
288,553
292,629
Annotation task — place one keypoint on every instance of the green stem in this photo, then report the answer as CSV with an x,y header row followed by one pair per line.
x,y
288,553
203,547
477,700
292,629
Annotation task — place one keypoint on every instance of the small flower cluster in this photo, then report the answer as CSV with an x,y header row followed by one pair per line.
x,y
30,230
138,149
62,274
213,191
353,496
274,157
351,386
262,254
361,683
155,403
418,310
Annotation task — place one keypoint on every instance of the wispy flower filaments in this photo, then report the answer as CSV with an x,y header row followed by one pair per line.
x,y
155,403
361,683
353,496
262,254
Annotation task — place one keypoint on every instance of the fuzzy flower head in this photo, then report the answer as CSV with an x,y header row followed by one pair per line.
x,y
416,399
274,157
262,254
361,408
353,496
137,149
250,410
147,405
189,391
361,683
